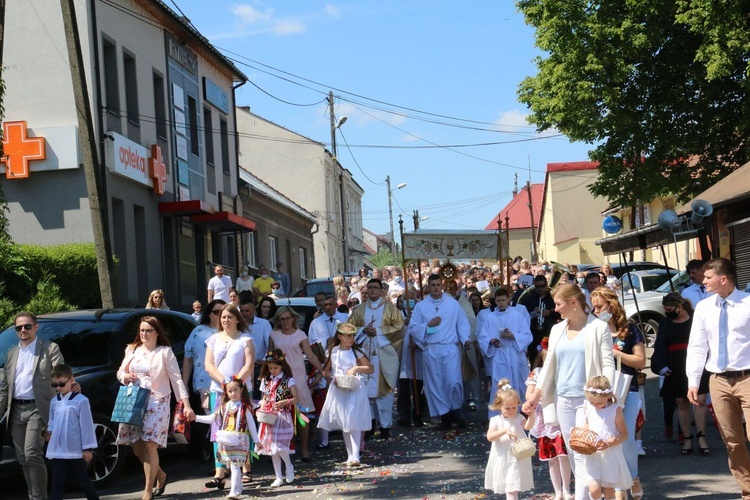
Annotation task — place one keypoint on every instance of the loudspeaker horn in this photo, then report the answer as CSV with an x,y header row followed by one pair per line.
x,y
701,209
669,220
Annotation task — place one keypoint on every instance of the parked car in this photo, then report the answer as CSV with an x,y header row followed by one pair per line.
x,y
304,306
644,281
317,285
619,269
93,344
649,305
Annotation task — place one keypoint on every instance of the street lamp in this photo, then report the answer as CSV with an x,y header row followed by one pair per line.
x,y
390,209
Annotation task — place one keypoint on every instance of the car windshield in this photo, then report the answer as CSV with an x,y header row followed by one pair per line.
x,y
82,343
679,281
630,283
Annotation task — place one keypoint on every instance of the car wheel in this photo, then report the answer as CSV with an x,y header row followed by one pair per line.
x,y
109,458
649,329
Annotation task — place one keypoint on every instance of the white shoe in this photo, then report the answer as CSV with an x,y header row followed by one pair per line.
x,y
290,475
277,483
639,448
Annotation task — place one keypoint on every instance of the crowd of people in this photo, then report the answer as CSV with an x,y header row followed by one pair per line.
x,y
432,342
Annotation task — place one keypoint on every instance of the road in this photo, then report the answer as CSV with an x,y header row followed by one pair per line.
x,y
420,463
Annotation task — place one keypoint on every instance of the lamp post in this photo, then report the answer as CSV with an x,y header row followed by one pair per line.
x,y
390,210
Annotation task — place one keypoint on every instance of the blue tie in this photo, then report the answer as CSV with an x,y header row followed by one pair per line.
x,y
723,360
702,293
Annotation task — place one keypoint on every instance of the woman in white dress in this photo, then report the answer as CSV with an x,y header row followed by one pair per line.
x,y
230,352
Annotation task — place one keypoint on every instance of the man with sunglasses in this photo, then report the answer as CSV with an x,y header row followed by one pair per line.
x,y
25,395
541,307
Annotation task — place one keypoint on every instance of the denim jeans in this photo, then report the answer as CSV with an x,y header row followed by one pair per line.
x,y
630,412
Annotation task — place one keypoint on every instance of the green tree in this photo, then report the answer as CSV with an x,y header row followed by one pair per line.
x,y
384,257
628,78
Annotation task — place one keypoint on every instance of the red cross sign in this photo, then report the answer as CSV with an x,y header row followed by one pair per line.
x,y
20,149
157,169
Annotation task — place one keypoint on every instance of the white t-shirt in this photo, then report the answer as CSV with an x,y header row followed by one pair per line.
x,y
221,287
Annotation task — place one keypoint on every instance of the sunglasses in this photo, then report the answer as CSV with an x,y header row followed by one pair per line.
x,y
26,327
216,311
60,384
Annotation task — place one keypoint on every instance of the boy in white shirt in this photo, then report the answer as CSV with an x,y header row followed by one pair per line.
x,y
70,435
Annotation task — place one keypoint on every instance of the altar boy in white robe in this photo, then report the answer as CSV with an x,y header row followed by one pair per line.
x,y
440,328
504,338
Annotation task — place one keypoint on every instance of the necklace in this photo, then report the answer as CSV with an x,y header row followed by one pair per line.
x,y
437,303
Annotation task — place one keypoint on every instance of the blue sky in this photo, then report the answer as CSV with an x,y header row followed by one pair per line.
x,y
459,61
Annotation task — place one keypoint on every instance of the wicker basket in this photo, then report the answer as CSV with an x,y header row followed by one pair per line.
x,y
523,448
266,417
583,441
347,382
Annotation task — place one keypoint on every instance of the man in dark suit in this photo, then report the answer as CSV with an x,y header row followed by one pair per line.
x,y
541,307
25,395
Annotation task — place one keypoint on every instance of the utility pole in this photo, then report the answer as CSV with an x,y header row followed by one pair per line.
x,y
336,165
533,232
390,214
91,167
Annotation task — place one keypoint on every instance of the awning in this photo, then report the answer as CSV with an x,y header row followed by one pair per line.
x,y
642,238
732,188
225,222
187,207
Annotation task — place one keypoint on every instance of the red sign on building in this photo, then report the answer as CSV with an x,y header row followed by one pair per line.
x,y
20,149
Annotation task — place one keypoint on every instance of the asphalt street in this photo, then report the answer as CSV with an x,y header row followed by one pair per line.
x,y
421,463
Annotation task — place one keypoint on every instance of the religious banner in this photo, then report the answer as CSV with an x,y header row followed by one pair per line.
x,y
452,244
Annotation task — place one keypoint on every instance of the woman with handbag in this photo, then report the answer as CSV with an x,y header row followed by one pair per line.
x,y
580,347
150,364
629,348
230,352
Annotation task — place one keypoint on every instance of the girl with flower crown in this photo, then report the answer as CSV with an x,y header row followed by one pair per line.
x,y
606,469
279,398
235,430
505,473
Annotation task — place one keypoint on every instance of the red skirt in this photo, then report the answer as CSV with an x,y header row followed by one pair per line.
x,y
550,448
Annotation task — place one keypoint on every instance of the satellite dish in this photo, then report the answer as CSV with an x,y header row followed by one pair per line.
x,y
669,220
701,209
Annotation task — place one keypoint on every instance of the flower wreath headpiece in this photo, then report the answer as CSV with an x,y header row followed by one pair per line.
x,y
506,387
271,357
233,378
608,390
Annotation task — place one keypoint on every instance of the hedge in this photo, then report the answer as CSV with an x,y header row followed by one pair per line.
x,y
71,267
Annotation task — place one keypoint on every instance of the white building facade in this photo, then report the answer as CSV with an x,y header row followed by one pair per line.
x,y
304,171
162,101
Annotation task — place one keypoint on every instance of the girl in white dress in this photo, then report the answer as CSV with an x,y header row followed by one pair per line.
x,y
504,473
347,410
606,468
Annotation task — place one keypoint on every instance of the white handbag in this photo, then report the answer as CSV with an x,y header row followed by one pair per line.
x,y
232,438
621,383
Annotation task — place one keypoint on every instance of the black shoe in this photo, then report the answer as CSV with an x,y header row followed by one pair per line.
x,y
385,433
160,490
322,446
418,422
460,423
445,422
403,422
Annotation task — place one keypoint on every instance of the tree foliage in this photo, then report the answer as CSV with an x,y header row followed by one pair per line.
x,y
384,257
658,91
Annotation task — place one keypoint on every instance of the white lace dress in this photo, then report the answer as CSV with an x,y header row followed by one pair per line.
x,y
504,473
607,467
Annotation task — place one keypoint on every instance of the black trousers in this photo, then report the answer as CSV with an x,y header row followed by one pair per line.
x,y
73,467
404,403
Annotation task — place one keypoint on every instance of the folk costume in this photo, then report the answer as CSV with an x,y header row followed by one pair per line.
x,y
383,352
235,434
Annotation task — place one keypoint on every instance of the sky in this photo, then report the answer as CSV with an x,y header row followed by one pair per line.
x,y
429,89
